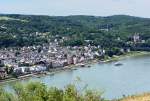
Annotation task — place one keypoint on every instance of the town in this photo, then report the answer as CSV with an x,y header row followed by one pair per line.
x,y
20,61
31,59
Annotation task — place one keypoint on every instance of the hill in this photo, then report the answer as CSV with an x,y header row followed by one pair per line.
x,y
20,30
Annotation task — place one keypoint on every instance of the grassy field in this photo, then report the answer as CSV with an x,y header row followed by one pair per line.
x,y
142,97
9,18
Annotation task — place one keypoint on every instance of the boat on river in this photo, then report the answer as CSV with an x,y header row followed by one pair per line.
x,y
88,66
118,64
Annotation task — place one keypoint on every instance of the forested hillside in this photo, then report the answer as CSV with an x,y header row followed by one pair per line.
x,y
20,30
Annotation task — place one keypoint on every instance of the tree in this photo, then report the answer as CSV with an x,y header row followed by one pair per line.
x,y
37,91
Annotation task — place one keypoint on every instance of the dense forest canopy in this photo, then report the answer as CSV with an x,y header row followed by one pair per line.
x,y
20,30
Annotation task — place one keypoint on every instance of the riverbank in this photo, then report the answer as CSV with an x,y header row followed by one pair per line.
x,y
74,67
126,55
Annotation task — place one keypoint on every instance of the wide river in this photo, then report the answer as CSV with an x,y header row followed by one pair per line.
x,y
130,78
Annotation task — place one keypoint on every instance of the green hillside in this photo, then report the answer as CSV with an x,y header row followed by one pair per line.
x,y
20,30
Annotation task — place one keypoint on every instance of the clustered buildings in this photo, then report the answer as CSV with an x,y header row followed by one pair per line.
x,y
39,58
25,60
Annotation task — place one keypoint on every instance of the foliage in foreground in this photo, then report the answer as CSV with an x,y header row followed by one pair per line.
x,y
36,91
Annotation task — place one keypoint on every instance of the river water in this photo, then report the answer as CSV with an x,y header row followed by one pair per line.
x,y
133,77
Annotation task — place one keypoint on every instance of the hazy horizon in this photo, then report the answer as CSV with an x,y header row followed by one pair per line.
x,y
76,7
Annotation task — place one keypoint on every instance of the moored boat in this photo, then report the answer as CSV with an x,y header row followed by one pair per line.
x,y
118,64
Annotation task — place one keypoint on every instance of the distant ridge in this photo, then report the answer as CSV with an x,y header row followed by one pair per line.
x,y
121,15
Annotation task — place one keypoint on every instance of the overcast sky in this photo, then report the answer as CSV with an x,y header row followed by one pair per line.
x,y
77,7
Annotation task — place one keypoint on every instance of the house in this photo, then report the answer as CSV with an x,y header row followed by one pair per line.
x,y
1,63
3,73
75,60
70,60
56,64
81,59
40,68
128,50
136,38
22,70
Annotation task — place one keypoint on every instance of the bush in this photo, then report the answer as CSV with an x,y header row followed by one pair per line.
x,y
37,91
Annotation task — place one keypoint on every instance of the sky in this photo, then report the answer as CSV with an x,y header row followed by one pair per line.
x,y
76,7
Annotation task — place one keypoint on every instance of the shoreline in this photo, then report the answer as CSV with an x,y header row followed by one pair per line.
x,y
75,66
126,55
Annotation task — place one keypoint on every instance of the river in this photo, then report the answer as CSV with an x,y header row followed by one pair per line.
x,y
130,78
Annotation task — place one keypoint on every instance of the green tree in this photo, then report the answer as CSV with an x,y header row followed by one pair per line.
x,y
37,91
